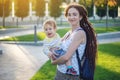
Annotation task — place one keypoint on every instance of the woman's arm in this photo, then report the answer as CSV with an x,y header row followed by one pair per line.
x,y
79,38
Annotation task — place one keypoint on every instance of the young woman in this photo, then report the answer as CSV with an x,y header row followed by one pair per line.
x,y
81,37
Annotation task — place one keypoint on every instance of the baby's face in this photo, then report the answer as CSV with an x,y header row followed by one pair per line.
x,y
50,31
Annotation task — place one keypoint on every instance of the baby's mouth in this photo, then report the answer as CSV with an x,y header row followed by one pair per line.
x,y
49,33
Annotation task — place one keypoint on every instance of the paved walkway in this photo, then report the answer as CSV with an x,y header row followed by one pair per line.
x,y
20,61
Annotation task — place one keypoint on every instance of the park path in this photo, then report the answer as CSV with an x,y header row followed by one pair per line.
x,y
20,62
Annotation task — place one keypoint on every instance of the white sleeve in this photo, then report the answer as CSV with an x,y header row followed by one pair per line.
x,y
55,42
45,48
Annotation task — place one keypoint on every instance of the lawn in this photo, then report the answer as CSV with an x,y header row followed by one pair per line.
x,y
41,35
108,64
1,27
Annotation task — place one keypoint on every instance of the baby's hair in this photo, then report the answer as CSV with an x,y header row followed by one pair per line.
x,y
50,22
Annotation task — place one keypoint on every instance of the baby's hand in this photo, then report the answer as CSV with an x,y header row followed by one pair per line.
x,y
53,49
50,55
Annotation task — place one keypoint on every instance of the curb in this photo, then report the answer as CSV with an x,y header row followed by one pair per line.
x,y
39,43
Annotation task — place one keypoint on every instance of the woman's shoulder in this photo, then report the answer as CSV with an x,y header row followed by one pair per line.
x,y
79,35
80,32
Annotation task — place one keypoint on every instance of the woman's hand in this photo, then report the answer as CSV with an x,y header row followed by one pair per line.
x,y
53,57
61,60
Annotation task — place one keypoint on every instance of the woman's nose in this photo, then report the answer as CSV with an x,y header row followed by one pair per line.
x,y
71,17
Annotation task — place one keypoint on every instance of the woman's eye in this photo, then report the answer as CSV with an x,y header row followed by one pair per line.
x,y
68,14
74,14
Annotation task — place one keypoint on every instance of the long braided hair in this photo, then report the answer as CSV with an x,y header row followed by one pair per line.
x,y
91,45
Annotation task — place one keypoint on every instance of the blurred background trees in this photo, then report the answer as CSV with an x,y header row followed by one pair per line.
x,y
54,7
21,8
40,9
5,9
101,8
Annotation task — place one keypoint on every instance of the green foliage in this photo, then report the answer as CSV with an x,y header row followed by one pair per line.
x,y
89,6
118,2
90,11
99,3
86,3
6,8
108,67
113,11
22,8
54,7
101,11
40,8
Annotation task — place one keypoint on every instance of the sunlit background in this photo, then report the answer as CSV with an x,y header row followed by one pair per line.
x,y
36,11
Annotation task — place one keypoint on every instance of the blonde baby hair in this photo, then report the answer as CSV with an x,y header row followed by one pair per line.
x,y
50,22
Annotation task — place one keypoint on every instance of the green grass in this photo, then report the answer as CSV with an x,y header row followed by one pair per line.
x,y
103,29
108,64
1,27
41,35
104,21
30,37
47,72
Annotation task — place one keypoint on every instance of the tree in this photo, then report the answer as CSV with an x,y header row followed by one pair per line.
x,y
118,2
101,11
54,7
40,8
101,8
22,8
4,9
113,12
89,6
113,8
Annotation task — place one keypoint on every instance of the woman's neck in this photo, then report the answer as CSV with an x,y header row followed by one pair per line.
x,y
75,27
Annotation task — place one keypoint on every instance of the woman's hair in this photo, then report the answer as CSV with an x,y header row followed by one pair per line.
x,y
50,22
91,46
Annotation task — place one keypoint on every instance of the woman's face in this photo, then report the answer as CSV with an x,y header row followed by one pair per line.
x,y
73,17
50,31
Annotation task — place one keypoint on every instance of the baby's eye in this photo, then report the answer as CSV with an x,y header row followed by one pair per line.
x,y
50,28
46,29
